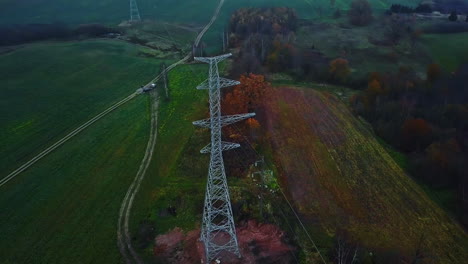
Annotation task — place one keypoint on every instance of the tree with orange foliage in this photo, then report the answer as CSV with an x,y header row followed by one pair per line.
x,y
339,69
415,134
433,72
246,96
375,76
277,28
253,126
374,88
253,123
282,56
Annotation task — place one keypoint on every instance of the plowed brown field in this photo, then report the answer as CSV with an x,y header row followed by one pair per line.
x,y
337,174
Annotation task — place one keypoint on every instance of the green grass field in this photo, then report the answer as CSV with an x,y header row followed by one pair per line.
x,y
48,89
113,11
65,208
448,50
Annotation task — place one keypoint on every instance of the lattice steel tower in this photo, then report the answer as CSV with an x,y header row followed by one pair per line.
x,y
134,13
218,231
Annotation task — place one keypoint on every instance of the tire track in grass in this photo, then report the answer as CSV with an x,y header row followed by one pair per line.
x,y
123,233
93,120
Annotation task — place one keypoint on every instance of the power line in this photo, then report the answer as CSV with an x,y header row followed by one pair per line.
x,y
262,199
218,231
287,201
134,13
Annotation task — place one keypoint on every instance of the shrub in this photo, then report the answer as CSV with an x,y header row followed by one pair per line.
x,y
396,8
433,72
360,13
339,69
453,16
337,13
415,134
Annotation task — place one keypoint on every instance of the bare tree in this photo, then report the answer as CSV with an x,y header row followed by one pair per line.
x,y
360,13
346,253
397,28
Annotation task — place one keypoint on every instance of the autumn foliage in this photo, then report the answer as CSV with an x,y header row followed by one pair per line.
x,y
415,133
374,88
339,69
281,56
433,72
247,96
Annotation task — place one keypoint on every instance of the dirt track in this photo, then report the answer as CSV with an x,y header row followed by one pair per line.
x,y
123,233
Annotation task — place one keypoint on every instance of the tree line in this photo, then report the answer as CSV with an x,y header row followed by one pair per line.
x,y
427,119
18,34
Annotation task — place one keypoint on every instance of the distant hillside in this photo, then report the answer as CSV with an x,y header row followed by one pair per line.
x,y
114,11
340,177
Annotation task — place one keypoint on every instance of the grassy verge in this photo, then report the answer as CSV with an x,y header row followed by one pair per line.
x,y
48,89
65,208
400,158
177,175
444,198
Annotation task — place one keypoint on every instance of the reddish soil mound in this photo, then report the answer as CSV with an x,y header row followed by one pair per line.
x,y
259,243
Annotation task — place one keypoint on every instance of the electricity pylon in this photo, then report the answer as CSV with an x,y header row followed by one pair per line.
x,y
134,13
218,232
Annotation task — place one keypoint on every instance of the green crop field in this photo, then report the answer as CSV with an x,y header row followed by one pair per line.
x,y
113,11
65,208
53,88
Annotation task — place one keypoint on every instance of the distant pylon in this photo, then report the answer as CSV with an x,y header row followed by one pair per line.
x,y
134,13
218,232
